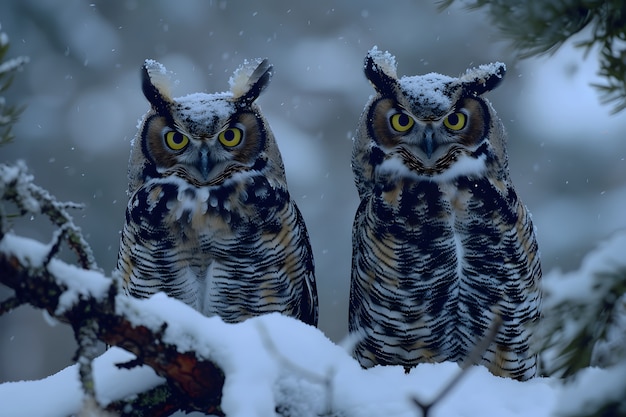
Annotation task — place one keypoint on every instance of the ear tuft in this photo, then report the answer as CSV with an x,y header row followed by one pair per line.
x,y
250,79
484,78
380,70
155,85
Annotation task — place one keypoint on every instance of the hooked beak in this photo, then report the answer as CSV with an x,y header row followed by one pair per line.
x,y
203,162
428,143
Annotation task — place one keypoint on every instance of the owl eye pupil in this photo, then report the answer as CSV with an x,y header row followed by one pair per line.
x,y
229,135
177,138
453,119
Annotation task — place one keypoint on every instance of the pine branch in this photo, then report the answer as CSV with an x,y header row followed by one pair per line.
x,y
472,359
579,332
8,113
542,27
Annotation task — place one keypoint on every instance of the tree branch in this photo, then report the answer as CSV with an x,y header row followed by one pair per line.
x,y
17,185
193,383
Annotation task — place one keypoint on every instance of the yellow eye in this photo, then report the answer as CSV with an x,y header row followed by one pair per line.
x,y
176,140
230,137
401,122
455,121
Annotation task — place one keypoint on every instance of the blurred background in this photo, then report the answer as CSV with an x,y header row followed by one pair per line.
x,y
83,98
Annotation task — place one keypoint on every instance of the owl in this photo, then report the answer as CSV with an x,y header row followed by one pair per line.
x,y
443,247
210,220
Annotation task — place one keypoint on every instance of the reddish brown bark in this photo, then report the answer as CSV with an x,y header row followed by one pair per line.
x,y
193,383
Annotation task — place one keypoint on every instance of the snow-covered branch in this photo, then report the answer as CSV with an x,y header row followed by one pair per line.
x,y
89,301
80,297
585,320
16,185
8,113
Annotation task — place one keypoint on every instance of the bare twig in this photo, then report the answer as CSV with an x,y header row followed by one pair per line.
x,y
10,304
17,185
86,338
57,239
325,380
471,359
272,348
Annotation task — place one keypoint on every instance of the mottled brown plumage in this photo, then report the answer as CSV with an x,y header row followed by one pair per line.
x,y
210,220
442,245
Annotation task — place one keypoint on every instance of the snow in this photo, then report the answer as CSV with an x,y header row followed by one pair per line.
x,y
13,64
592,388
438,91
484,72
27,251
158,75
204,108
578,304
384,60
61,394
428,89
238,82
582,284
79,282
18,174
274,360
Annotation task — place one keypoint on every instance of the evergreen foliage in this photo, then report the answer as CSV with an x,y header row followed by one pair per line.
x,y
588,331
584,326
540,27
8,113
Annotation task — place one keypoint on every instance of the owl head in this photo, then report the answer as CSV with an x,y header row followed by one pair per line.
x,y
204,139
427,127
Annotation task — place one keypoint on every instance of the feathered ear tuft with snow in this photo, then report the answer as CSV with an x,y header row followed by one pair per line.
x,y
484,78
249,80
380,70
155,85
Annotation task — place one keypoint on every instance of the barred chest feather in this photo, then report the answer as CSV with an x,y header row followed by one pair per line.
x,y
405,207
439,249
239,207
213,244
